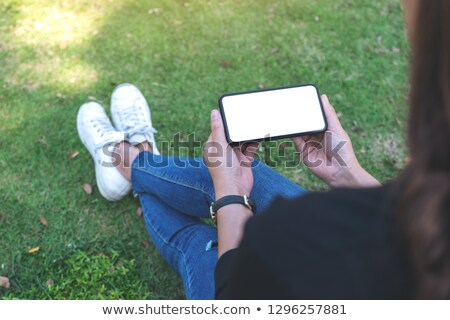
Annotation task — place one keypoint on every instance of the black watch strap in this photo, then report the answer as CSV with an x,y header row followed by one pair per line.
x,y
244,200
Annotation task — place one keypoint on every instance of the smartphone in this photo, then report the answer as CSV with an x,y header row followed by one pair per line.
x,y
272,113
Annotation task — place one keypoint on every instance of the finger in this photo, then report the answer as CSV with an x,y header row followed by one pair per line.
x,y
249,149
209,138
300,142
246,154
309,149
303,144
330,114
217,130
210,149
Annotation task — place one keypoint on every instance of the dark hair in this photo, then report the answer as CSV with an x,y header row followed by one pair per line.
x,y
424,185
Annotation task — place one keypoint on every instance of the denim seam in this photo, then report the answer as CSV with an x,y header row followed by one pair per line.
x,y
168,179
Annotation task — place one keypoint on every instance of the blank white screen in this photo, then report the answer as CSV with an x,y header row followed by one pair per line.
x,y
252,116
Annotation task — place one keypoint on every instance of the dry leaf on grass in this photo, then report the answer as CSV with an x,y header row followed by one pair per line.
x,y
44,221
4,282
87,188
33,250
139,212
226,64
145,244
72,154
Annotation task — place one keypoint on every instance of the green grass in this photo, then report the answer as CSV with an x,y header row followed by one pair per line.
x,y
55,55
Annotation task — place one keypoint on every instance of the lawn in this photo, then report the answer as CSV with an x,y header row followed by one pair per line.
x,y
55,55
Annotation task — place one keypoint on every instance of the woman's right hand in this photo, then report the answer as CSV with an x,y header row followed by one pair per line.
x,y
330,155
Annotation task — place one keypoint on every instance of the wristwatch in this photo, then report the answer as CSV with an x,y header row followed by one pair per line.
x,y
216,205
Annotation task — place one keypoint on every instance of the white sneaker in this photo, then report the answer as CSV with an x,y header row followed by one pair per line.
x,y
99,136
131,114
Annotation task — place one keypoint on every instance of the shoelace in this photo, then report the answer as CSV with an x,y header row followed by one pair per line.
x,y
135,121
103,128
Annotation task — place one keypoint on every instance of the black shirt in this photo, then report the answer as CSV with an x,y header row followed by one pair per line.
x,y
341,244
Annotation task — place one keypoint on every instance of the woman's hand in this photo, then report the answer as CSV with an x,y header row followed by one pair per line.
x,y
231,172
230,168
330,155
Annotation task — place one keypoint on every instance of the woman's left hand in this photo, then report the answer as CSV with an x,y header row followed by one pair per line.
x,y
230,168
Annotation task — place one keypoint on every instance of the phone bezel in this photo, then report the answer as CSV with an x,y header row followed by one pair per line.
x,y
298,134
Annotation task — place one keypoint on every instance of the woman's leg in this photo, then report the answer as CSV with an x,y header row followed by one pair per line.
x,y
174,194
184,184
188,245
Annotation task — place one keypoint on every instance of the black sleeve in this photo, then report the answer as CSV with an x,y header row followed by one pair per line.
x,y
223,272
241,273
320,246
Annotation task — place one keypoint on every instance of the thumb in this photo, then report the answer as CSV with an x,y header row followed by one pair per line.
x,y
217,130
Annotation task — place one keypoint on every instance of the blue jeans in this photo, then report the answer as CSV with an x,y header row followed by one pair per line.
x,y
175,195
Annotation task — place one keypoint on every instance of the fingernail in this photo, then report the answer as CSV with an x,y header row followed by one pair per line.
x,y
214,115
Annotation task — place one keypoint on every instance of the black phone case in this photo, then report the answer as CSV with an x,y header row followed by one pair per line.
x,y
222,113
